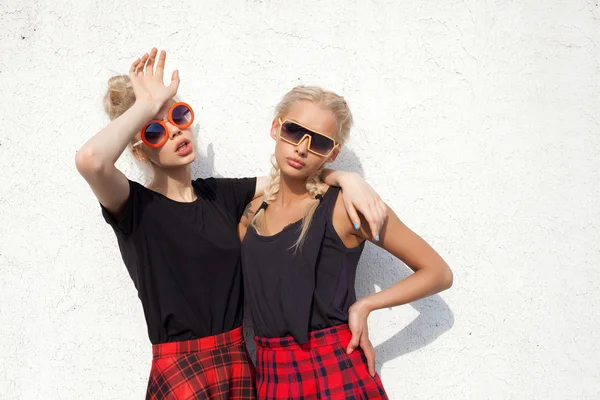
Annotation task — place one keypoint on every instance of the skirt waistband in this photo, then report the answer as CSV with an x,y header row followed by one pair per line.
x,y
323,337
197,345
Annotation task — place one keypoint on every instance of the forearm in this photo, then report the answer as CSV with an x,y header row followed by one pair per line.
x,y
336,178
423,283
106,146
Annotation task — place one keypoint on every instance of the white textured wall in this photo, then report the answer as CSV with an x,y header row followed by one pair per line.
x,y
477,121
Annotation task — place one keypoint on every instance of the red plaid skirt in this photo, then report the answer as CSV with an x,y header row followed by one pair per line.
x,y
214,367
319,369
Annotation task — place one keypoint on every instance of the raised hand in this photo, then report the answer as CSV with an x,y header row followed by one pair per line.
x,y
148,84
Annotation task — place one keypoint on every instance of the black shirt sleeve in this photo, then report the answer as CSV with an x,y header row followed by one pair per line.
x,y
133,208
235,193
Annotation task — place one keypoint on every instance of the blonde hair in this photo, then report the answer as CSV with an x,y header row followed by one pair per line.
x,y
119,97
329,101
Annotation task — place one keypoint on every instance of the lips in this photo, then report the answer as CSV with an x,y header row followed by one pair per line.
x,y
295,163
181,144
183,147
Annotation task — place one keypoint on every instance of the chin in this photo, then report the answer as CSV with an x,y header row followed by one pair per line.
x,y
190,158
295,173
180,161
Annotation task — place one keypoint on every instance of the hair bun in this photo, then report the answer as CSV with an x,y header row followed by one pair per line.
x,y
119,96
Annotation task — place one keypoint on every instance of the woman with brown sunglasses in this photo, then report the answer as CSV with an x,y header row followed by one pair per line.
x,y
178,236
299,256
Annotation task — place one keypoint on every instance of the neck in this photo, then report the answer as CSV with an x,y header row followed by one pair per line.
x,y
174,183
291,190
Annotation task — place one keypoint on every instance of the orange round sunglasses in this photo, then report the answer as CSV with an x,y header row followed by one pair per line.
x,y
155,133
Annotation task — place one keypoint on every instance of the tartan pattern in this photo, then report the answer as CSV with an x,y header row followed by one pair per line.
x,y
214,367
319,369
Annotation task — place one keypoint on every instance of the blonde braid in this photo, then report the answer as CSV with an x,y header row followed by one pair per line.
x,y
259,221
273,189
314,186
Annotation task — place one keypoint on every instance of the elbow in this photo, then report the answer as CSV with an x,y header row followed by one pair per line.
x,y
447,278
88,164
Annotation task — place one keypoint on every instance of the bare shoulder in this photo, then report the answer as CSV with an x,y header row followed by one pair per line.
x,y
340,216
250,210
343,224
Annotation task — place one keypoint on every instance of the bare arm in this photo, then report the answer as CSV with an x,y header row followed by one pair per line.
x,y
247,216
96,159
432,275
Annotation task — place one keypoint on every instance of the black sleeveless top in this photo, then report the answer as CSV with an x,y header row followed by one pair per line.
x,y
293,294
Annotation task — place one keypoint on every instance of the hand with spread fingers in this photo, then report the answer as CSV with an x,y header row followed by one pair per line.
x,y
147,82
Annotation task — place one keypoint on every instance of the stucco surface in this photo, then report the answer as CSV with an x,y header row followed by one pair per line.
x,y
477,122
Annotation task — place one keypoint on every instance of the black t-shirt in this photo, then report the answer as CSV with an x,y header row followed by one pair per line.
x,y
184,258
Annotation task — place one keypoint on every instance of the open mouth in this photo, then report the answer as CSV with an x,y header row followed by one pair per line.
x,y
183,146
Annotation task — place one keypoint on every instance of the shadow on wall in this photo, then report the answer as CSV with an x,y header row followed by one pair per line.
x,y
204,165
380,269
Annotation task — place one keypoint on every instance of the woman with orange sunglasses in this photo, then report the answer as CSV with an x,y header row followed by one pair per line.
x,y
178,236
299,255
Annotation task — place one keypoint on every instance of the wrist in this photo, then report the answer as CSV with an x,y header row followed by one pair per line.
x,y
345,177
363,306
146,109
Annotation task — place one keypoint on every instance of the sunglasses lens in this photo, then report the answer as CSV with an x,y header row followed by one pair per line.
x,y
154,133
321,144
182,115
292,132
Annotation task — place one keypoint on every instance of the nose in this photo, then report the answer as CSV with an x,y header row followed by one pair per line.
x,y
174,131
302,147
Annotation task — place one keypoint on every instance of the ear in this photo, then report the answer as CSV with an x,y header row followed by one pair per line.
x,y
138,154
274,129
334,154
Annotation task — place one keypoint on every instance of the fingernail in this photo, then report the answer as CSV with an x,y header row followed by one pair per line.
x,y
356,225
377,238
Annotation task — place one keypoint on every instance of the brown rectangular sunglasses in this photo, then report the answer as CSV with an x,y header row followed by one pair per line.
x,y
318,143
